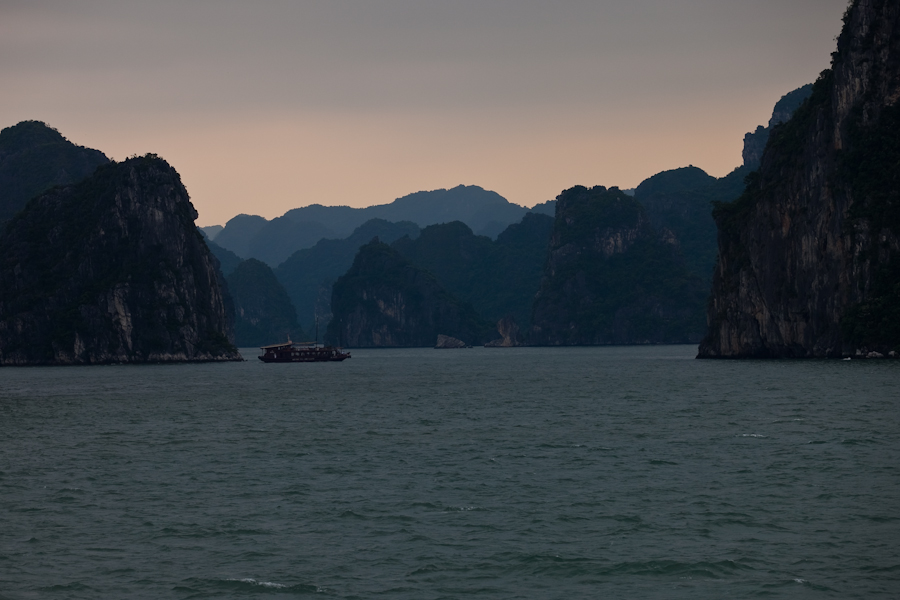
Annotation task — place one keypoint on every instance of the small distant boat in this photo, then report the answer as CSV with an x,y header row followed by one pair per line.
x,y
302,352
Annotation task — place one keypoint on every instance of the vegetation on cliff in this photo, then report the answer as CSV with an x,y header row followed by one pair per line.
x,y
871,165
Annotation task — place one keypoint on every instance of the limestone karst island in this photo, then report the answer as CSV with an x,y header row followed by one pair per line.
x,y
796,253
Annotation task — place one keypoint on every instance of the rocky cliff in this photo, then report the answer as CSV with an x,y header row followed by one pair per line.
x,y
111,270
755,142
809,255
509,334
610,278
385,301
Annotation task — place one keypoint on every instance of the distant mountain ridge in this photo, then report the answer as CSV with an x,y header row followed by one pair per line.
x,y
308,274
252,236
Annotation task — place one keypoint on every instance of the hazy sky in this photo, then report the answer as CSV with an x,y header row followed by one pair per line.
x,y
274,104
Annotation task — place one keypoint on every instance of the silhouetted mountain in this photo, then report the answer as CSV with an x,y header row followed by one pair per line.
x,y
545,208
755,142
263,313
238,233
474,206
309,274
498,278
228,260
34,158
610,278
211,231
485,212
385,301
281,237
809,255
680,201
110,270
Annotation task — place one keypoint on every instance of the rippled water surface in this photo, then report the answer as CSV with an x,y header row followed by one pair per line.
x,y
482,473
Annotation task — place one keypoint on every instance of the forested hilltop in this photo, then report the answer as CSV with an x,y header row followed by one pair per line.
x,y
35,157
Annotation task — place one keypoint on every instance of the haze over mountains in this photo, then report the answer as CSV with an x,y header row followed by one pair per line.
x,y
251,236
596,265
482,251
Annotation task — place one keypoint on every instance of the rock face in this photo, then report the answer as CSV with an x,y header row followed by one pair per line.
x,y
385,301
809,256
509,334
755,142
263,313
445,342
610,278
34,158
111,270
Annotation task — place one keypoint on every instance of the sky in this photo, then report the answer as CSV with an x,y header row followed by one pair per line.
x,y
270,105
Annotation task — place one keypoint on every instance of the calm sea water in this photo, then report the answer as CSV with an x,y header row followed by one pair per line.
x,y
482,473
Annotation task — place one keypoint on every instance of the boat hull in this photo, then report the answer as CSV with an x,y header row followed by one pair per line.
x,y
297,359
301,353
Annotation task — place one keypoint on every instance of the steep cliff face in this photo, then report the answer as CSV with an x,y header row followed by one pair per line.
x,y
111,270
385,301
610,278
809,256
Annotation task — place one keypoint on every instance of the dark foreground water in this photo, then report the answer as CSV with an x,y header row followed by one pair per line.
x,y
423,474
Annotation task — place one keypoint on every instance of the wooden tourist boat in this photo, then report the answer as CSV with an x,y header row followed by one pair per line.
x,y
302,352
